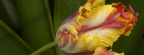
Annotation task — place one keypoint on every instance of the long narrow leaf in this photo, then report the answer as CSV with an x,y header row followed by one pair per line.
x,y
8,13
11,43
35,25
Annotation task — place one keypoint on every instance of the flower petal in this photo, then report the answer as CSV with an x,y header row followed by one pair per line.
x,y
103,51
96,16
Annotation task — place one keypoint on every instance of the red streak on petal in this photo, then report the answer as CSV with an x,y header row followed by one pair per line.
x,y
125,15
65,34
111,19
116,24
111,22
131,9
84,27
70,18
91,1
120,7
133,20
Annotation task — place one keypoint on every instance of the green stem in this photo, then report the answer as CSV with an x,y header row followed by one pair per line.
x,y
49,15
44,48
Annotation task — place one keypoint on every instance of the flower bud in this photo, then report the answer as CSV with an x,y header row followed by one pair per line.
x,y
93,26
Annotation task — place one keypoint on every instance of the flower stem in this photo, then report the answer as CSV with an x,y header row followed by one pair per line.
x,y
44,48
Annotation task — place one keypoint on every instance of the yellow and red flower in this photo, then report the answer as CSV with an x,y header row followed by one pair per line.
x,y
95,26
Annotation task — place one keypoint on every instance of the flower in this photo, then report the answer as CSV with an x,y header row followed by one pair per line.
x,y
94,27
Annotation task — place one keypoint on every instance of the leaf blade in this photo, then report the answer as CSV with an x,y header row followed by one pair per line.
x,y
35,25
11,43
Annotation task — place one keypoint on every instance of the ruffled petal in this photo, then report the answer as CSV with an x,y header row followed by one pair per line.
x,y
94,27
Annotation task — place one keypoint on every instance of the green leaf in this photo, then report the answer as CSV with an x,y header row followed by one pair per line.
x,y
8,13
36,23
11,43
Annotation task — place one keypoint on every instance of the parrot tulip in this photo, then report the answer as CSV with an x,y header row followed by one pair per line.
x,y
94,27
